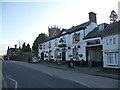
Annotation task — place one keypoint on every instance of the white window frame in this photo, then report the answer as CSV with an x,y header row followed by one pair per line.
x,y
111,60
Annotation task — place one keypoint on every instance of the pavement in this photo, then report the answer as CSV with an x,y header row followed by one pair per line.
x,y
86,70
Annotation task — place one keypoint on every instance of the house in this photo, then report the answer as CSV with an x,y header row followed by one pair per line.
x,y
97,45
12,51
70,42
111,46
94,45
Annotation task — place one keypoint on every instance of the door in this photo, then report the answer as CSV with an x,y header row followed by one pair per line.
x,y
42,56
63,56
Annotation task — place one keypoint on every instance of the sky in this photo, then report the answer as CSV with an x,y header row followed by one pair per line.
x,y
23,20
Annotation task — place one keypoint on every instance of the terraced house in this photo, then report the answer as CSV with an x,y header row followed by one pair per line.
x,y
84,43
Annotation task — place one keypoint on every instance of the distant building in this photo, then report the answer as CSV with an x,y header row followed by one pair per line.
x,y
1,57
13,51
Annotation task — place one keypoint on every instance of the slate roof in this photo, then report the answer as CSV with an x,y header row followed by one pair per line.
x,y
95,32
78,27
113,28
72,29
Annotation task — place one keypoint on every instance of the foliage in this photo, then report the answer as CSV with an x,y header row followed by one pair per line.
x,y
40,39
113,16
26,48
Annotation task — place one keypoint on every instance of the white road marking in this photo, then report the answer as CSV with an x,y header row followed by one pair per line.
x,y
84,84
78,82
5,83
13,81
47,73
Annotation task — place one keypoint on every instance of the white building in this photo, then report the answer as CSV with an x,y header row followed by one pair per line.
x,y
111,46
97,45
94,46
69,43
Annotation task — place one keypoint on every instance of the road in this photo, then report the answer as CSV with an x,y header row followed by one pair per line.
x,y
21,76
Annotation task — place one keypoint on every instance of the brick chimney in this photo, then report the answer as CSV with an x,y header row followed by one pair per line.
x,y
92,17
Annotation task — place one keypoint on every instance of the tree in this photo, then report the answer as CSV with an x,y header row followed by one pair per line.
x,y
40,39
28,48
113,16
24,47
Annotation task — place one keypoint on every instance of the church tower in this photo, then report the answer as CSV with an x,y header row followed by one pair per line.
x,y
53,31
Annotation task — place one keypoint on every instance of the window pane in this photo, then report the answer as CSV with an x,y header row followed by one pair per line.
x,y
114,40
110,41
115,58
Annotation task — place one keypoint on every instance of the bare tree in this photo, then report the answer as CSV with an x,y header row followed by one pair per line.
x,y
20,42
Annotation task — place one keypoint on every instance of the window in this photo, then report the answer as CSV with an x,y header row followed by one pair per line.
x,y
115,57
76,38
106,41
75,52
114,40
112,58
40,46
110,41
49,44
73,39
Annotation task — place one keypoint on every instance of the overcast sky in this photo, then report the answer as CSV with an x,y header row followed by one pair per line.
x,y
24,21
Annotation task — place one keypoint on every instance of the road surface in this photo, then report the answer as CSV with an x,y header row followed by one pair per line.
x,y
19,76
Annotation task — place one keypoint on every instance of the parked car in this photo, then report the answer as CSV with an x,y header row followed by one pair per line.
x,y
35,60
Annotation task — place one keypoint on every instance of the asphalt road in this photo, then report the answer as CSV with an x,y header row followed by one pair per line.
x,y
18,76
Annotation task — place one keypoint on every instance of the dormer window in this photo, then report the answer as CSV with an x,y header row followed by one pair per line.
x,y
101,27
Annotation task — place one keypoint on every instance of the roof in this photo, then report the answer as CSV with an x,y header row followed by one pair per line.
x,y
78,27
111,29
13,49
72,29
96,32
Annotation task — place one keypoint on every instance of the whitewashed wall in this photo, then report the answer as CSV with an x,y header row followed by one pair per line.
x,y
111,48
90,28
69,43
